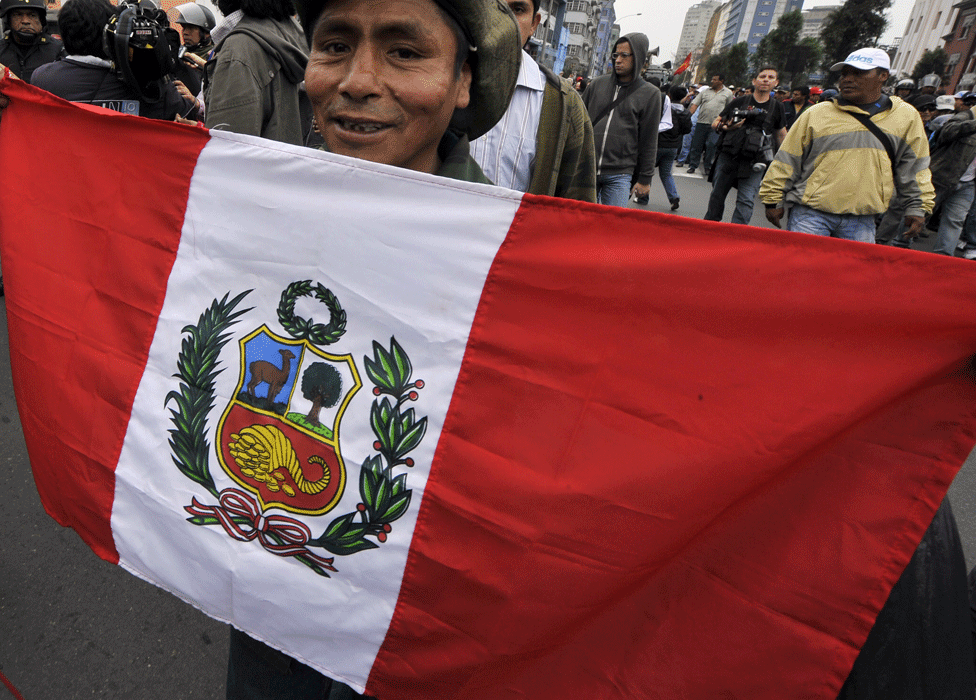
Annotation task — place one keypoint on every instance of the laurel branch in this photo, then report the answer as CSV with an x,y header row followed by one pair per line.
x,y
385,497
197,372
304,329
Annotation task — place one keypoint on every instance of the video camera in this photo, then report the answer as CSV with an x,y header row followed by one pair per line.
x,y
142,46
738,114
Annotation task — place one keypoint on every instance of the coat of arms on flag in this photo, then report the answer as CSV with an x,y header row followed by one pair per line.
x,y
278,437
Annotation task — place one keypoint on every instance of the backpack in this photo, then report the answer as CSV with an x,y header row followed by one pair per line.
x,y
680,121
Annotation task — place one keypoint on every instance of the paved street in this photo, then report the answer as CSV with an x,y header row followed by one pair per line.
x,y
74,627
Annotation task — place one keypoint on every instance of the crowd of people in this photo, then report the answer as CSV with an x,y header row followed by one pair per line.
x,y
445,87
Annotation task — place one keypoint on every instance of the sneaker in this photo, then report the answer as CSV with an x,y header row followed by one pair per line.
x,y
705,172
969,254
680,163
643,200
674,203
691,171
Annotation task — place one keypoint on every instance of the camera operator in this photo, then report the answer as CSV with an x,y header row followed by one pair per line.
x,y
136,83
747,126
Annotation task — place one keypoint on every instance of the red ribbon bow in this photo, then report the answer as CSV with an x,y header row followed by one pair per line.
x,y
235,505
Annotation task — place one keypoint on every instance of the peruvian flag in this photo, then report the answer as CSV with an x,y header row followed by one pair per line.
x,y
440,440
684,64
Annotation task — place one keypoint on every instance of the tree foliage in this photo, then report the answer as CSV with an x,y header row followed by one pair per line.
x,y
733,63
322,385
774,49
933,61
856,24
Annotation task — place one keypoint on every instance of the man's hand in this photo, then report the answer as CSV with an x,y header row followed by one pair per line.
x,y
640,190
913,226
774,216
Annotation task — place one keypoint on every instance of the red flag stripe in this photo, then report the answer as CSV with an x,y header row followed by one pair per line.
x,y
768,486
67,337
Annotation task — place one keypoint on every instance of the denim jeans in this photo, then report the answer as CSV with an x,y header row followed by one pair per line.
x,y
969,228
725,176
851,227
613,189
702,137
686,145
665,163
955,207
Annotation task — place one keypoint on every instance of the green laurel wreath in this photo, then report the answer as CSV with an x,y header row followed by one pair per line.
x,y
197,372
384,496
304,328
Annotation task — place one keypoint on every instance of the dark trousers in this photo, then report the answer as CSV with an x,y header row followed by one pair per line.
x,y
703,137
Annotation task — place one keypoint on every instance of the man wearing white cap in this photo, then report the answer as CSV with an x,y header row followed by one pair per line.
x,y
844,160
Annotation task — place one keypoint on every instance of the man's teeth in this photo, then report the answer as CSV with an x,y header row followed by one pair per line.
x,y
365,128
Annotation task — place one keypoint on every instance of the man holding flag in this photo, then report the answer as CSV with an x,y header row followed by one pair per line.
x,y
665,544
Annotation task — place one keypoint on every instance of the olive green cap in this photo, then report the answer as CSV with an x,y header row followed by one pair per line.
x,y
495,58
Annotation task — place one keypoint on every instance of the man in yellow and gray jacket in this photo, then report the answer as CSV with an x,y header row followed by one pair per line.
x,y
835,170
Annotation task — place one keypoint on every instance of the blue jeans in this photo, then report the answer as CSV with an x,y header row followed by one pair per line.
x,y
725,176
955,207
969,228
702,137
665,162
685,145
851,227
613,189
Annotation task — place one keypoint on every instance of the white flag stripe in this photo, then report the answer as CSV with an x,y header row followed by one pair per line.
x,y
398,267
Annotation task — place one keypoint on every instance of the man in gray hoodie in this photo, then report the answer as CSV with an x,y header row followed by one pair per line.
x,y
625,111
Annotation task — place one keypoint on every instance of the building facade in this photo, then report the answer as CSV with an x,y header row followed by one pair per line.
x,y
603,45
751,20
929,21
960,45
695,29
813,20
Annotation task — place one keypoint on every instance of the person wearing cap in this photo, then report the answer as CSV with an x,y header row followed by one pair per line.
x,y
544,142
836,174
625,111
251,85
26,45
404,83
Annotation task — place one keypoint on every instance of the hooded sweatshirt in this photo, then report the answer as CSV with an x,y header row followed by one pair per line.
x,y
626,137
251,85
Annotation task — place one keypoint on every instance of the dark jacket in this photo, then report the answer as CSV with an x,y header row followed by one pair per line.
x,y
791,112
251,84
565,160
953,149
24,60
626,138
75,80
680,125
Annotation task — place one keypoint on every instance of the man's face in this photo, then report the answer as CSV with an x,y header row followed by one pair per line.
x,y
716,83
798,98
623,64
960,106
382,82
526,16
192,34
861,86
24,21
765,82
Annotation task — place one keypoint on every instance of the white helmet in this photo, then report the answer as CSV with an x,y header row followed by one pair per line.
x,y
196,15
930,80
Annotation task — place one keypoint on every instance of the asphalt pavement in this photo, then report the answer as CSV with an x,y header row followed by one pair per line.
x,y
74,627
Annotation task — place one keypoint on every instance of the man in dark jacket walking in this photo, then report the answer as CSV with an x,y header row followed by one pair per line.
x,y
625,111
26,45
953,167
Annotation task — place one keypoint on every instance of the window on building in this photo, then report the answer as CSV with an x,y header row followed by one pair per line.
x,y
967,25
953,62
936,22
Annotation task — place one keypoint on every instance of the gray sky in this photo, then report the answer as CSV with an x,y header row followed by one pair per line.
x,y
662,21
